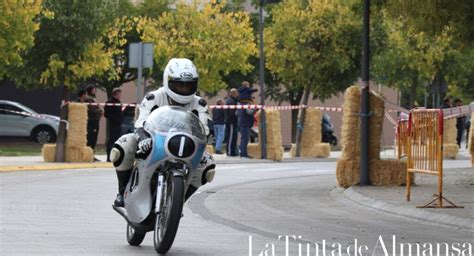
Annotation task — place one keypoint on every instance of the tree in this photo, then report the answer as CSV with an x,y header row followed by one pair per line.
x,y
67,50
412,57
19,23
313,47
218,42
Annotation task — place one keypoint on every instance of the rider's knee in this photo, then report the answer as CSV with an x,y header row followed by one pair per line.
x,y
123,152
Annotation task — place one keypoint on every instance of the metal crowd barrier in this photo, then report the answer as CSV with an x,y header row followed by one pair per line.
x,y
402,138
425,151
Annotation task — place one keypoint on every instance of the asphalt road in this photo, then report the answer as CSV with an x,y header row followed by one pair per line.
x,y
69,213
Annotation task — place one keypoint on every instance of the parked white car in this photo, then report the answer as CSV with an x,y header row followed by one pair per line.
x,y
18,120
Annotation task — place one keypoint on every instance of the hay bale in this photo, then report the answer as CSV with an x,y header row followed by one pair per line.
x,y
79,155
388,172
382,172
350,138
450,151
274,144
48,151
254,150
449,131
77,128
210,149
351,124
312,128
321,150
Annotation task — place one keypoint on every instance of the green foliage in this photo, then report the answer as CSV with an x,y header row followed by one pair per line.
x,y
67,49
19,22
218,42
315,45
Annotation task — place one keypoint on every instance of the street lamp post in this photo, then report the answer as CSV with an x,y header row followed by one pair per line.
x,y
263,123
364,100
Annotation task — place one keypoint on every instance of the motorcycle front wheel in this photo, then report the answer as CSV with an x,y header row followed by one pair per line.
x,y
167,221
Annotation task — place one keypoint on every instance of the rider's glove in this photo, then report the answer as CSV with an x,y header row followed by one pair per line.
x,y
144,146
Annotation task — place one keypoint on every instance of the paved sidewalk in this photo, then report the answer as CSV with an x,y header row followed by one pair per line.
x,y
458,188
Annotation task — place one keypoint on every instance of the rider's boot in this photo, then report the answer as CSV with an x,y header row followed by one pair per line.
x,y
123,177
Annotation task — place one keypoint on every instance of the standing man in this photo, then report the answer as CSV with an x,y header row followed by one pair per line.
x,y
114,117
218,119
245,122
230,118
460,123
93,117
81,96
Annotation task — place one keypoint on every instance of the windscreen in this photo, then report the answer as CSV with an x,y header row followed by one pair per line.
x,y
177,119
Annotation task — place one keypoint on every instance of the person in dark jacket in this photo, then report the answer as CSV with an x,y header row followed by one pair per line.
x,y
230,119
245,93
114,116
245,122
218,120
94,113
460,123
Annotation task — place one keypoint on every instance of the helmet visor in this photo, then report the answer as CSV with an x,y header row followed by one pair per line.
x,y
184,88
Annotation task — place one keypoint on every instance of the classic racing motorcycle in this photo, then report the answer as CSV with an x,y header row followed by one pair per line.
x,y
154,196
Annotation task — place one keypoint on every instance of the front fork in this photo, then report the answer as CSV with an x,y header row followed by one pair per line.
x,y
160,188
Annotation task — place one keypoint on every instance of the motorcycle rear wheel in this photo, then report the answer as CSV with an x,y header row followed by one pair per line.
x,y
167,222
133,237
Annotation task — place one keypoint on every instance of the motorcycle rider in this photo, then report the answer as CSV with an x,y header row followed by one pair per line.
x,y
180,83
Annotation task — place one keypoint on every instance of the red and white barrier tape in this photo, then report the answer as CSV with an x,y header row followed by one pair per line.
x,y
456,112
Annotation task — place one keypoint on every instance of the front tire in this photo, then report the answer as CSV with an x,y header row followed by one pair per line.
x,y
133,237
44,134
167,222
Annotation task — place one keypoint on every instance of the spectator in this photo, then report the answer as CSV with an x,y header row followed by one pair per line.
x,y
460,123
245,122
446,103
81,96
218,119
230,119
245,93
468,128
114,117
93,117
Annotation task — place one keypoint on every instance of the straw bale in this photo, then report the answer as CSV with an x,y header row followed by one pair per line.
x,y
79,155
450,151
449,131
210,149
388,172
382,172
48,152
321,150
254,150
274,144
351,124
77,128
312,128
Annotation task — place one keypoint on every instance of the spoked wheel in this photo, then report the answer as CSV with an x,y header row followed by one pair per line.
x,y
167,221
133,237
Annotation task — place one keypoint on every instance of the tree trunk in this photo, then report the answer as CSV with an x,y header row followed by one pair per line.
x,y
299,130
414,84
294,100
59,155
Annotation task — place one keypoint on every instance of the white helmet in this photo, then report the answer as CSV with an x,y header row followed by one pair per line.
x,y
180,80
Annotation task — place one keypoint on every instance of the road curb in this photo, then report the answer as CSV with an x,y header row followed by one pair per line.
x,y
407,211
55,167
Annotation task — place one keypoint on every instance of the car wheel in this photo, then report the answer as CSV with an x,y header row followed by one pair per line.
x,y
44,135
